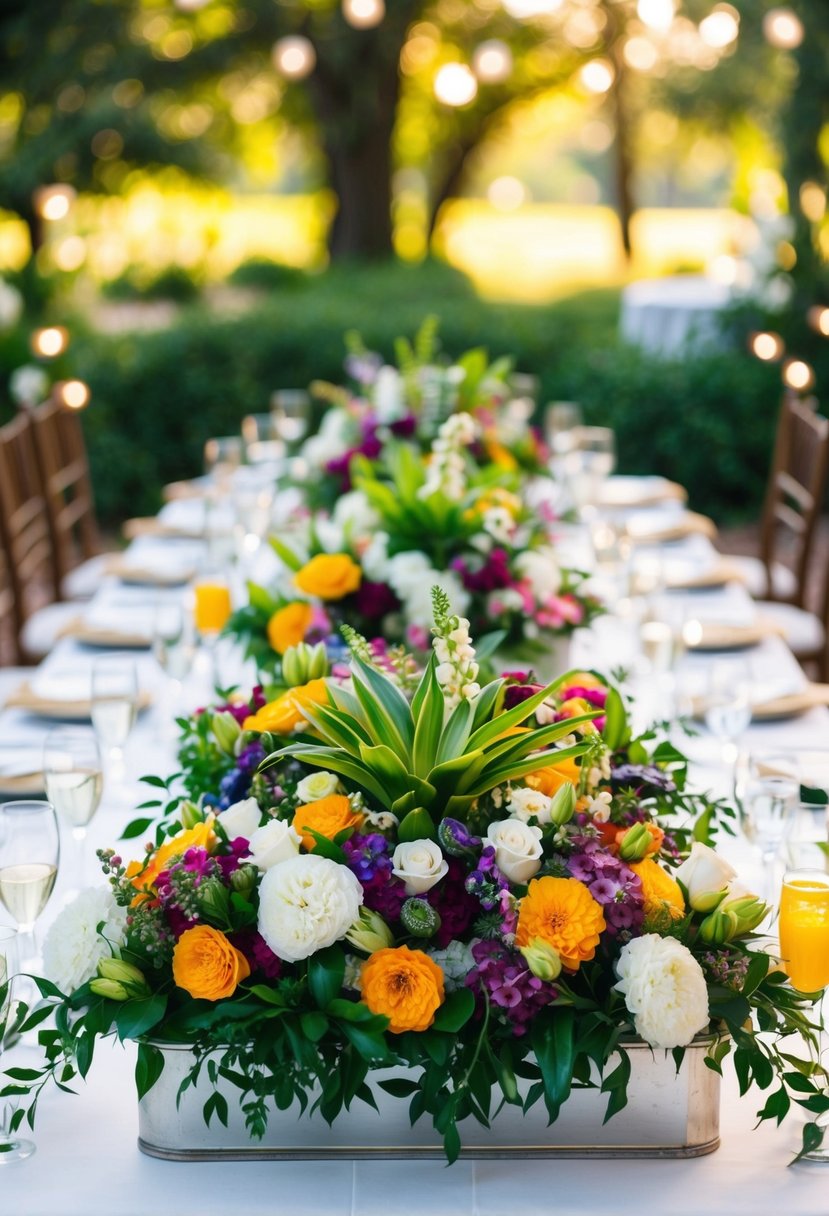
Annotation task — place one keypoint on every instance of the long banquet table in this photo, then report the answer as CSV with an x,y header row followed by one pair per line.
x,y
87,1162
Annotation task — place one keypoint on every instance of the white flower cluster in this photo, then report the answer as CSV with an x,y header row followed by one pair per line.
x,y
73,946
665,990
335,436
447,469
457,670
525,802
455,961
307,903
541,570
498,523
412,577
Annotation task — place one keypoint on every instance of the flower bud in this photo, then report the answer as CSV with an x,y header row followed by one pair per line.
x,y
369,932
302,663
748,910
636,843
129,977
542,959
563,804
419,918
191,814
226,731
244,879
456,840
213,899
719,927
112,989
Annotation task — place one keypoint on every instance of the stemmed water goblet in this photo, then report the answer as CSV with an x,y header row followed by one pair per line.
x,y
74,779
12,1146
114,703
29,859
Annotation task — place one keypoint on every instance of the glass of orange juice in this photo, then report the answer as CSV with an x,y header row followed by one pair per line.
x,y
212,606
804,946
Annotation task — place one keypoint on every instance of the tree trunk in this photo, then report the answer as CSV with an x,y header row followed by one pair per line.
x,y
622,142
361,179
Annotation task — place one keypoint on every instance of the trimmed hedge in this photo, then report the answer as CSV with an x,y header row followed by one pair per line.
x,y
706,421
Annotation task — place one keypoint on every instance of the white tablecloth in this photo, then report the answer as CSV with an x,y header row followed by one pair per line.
x,y
87,1162
671,315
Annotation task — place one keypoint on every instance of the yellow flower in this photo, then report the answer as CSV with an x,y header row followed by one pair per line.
x,y
562,913
500,455
574,708
201,836
206,965
328,816
286,713
549,780
405,985
329,576
661,892
289,625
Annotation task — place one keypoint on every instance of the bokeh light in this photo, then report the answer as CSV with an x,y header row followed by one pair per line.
x,y
798,375
73,394
54,202
364,14
818,317
597,76
294,56
49,342
813,201
640,54
721,27
783,28
767,346
524,9
492,61
656,14
455,84
507,193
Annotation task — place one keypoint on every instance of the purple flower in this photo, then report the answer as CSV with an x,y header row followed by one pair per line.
x,y
644,778
612,884
368,857
456,839
375,600
513,990
454,904
486,882
258,953
363,367
487,574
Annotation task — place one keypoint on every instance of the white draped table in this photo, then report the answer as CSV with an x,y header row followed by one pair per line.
x,y
87,1161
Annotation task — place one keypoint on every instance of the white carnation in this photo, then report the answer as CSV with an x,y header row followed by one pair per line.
x,y
74,947
664,988
306,904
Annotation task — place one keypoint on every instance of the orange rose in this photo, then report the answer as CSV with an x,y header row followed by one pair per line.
x,y
201,836
549,780
206,965
329,576
405,985
328,816
661,892
574,708
563,913
289,625
286,713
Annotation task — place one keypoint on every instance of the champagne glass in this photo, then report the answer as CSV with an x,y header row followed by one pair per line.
x,y
561,420
29,857
114,702
74,784
290,410
212,606
771,793
728,706
804,946
12,1147
222,457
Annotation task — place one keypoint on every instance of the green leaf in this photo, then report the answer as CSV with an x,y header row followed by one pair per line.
x,y
285,554
455,735
392,700
149,1066
399,1087
553,1040
326,971
616,732
515,716
616,1084
135,1018
417,825
812,1139
314,1025
455,1011
428,716
136,828
325,847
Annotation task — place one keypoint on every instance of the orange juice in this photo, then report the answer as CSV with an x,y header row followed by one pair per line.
x,y
212,606
804,929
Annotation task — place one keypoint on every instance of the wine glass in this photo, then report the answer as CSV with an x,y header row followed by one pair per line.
x,y
728,706
12,1147
561,421
114,702
804,946
29,857
212,606
290,410
74,784
222,457
172,641
261,439
771,793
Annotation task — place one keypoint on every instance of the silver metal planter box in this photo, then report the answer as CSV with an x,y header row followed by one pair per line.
x,y
667,1115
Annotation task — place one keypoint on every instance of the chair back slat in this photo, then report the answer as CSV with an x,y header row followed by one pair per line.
x,y
64,471
795,491
24,527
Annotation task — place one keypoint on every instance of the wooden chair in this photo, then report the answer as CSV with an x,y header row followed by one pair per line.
x,y
67,489
792,506
27,545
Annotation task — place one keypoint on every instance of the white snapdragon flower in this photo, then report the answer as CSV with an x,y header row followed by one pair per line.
x,y
664,988
525,802
446,473
388,394
599,807
499,524
305,904
73,946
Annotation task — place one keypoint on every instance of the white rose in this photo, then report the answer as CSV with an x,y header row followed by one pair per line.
x,y
420,864
73,946
305,904
705,876
317,785
526,802
541,570
241,819
355,515
517,848
274,843
664,988
375,558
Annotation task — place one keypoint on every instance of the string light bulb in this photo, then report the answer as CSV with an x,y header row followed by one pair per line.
x,y
294,56
798,375
73,394
364,14
766,346
49,342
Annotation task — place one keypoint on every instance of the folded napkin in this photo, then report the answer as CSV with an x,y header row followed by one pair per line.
x,y
778,705
151,526
26,698
708,579
714,635
688,523
176,490
131,629
151,574
640,492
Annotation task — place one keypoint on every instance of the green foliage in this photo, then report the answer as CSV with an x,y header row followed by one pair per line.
x,y
172,283
262,274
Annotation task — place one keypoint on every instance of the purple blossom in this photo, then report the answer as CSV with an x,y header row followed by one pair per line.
x,y
363,367
375,600
644,778
258,953
486,882
612,884
368,857
453,902
516,693
506,979
488,574
456,839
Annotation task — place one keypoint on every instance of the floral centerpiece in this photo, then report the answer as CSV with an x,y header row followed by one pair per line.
x,y
383,403
439,521
466,886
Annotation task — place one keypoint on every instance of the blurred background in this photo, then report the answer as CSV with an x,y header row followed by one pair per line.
x,y
198,198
